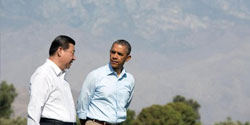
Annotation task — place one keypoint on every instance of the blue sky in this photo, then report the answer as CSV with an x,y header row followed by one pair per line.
x,y
196,48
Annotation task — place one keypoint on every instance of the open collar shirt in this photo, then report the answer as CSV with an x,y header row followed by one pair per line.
x,y
50,95
105,96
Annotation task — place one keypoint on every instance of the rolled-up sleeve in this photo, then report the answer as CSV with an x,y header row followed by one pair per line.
x,y
131,94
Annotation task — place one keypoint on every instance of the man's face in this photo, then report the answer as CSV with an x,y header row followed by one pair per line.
x,y
118,56
68,56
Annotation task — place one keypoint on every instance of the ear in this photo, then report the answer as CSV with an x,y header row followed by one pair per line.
x,y
128,58
59,51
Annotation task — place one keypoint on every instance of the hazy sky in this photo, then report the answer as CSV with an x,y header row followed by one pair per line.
x,y
196,48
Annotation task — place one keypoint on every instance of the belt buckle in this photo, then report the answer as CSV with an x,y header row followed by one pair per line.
x,y
106,123
101,122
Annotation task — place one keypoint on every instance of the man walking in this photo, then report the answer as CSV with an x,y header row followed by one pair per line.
x,y
107,91
51,101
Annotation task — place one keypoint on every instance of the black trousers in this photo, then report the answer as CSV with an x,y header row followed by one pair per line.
x,y
48,121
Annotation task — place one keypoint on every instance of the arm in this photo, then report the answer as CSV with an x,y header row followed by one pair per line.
x,y
87,92
39,93
131,93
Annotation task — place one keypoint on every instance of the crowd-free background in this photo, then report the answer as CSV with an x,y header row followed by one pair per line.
x,y
196,48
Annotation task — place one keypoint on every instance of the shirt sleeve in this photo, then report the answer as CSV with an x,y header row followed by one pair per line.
x,y
39,93
87,92
131,93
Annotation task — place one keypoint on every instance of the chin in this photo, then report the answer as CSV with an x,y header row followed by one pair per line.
x,y
114,65
67,67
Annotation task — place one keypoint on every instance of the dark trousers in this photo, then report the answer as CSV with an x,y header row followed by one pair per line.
x,y
47,121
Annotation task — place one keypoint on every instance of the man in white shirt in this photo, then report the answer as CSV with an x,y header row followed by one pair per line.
x,y
51,101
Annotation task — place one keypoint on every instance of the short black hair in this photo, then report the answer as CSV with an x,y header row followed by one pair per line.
x,y
60,41
124,43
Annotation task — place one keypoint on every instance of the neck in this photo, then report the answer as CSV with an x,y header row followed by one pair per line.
x,y
57,62
118,71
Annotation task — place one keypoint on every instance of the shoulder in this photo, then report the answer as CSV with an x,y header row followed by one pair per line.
x,y
94,76
99,71
130,78
42,71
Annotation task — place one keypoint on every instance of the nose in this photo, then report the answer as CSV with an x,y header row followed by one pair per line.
x,y
74,57
115,55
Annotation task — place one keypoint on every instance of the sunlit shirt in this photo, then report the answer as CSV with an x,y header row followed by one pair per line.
x,y
105,96
50,95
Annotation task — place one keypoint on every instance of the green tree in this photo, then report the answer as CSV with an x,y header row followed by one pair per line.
x,y
229,121
130,117
14,121
188,114
194,104
159,115
178,112
7,96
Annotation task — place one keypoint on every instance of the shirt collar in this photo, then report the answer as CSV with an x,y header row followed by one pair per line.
x,y
110,71
56,69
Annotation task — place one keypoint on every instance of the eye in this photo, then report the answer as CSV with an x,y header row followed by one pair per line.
x,y
120,54
111,51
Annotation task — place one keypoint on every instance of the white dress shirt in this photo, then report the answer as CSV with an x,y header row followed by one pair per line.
x,y
50,95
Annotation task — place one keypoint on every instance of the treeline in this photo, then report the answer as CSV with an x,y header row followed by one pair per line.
x,y
180,111
7,97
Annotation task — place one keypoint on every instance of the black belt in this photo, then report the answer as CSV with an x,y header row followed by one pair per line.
x,y
48,121
102,122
